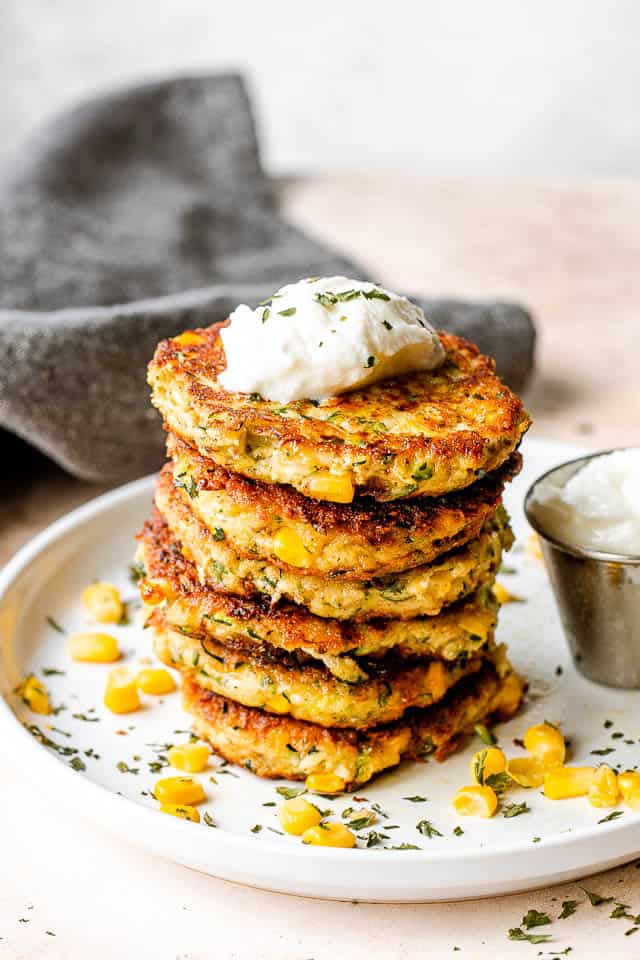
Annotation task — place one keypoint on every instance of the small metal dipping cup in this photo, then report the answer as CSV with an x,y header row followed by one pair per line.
x,y
598,596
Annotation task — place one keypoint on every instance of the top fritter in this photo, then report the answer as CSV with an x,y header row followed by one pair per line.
x,y
423,434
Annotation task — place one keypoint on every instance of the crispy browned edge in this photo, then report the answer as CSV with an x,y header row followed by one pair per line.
x,y
440,722
373,520
297,626
194,363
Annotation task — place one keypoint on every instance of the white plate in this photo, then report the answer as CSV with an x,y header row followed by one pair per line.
x,y
551,843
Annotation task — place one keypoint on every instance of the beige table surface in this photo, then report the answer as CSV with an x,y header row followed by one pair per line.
x,y
569,251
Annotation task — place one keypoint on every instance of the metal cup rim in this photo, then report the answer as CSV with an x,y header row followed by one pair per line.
x,y
582,553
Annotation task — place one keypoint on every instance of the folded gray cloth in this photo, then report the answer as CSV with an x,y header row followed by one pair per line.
x,y
129,219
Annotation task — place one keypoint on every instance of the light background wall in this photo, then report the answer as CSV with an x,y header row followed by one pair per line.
x,y
504,87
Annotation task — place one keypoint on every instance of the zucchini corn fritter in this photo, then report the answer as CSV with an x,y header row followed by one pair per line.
x,y
321,573
422,591
352,541
426,433
171,586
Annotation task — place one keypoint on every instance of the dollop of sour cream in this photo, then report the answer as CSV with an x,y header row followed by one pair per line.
x,y
598,508
324,336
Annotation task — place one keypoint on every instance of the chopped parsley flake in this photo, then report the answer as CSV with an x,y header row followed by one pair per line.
x,y
534,918
427,829
55,625
595,899
569,907
515,809
290,792
289,312
611,816
370,362
515,933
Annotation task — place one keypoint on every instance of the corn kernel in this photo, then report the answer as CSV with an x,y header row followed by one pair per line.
x,y
503,595
289,548
35,695
182,810
475,801
190,757
156,681
121,694
475,623
324,783
487,763
277,704
152,593
562,783
329,486
629,786
628,781
526,771
103,603
329,835
603,790
188,339
546,743
179,790
93,647
297,815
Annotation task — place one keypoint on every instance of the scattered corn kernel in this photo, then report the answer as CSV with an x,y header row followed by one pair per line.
x,y
526,771
329,835
179,790
93,647
503,595
603,789
181,810
628,781
121,694
329,486
325,783
35,694
103,602
629,786
190,757
288,547
546,743
297,815
562,783
156,681
475,801
487,763
188,339
277,704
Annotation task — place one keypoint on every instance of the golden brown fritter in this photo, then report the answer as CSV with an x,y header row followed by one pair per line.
x,y
258,675
423,591
273,746
352,541
169,581
426,433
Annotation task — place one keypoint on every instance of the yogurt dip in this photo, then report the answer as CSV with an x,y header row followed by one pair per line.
x,y
598,508
324,336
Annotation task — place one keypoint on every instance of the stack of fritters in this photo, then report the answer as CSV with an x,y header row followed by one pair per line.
x,y
320,572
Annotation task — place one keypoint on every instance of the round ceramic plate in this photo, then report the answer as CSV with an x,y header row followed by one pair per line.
x,y
104,766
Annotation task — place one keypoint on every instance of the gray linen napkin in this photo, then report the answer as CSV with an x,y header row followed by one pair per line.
x,y
128,219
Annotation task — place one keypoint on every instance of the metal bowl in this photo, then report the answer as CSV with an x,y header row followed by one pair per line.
x,y
598,596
